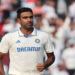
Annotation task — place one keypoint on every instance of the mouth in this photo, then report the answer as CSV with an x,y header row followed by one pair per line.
x,y
30,24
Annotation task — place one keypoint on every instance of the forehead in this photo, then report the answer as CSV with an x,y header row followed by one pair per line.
x,y
26,14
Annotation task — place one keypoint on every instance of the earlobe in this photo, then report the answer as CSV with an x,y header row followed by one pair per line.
x,y
18,20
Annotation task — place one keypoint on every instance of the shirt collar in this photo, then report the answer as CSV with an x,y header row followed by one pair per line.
x,y
34,33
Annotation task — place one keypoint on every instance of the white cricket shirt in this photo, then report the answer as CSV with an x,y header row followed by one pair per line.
x,y
25,51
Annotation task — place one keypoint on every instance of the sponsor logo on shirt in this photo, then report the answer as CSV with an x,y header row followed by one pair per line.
x,y
24,49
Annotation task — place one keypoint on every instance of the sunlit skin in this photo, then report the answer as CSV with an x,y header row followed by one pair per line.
x,y
26,21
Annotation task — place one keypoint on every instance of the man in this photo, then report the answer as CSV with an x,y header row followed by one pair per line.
x,y
26,47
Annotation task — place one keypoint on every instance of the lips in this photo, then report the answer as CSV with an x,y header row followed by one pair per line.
x,y
30,24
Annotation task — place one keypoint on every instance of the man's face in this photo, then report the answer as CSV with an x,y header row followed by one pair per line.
x,y
26,20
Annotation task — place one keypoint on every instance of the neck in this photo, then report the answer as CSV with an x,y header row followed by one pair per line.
x,y
27,32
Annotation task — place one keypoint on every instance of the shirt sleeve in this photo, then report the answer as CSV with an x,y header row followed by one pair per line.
x,y
4,44
49,48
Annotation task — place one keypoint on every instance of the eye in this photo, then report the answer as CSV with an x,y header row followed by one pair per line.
x,y
31,16
25,17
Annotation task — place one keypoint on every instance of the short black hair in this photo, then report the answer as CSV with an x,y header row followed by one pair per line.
x,y
24,9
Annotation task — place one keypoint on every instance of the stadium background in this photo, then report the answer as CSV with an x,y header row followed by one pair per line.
x,y
57,17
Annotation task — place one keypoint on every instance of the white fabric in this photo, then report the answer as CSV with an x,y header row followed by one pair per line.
x,y
5,69
8,27
56,71
48,9
25,52
61,31
46,26
69,58
72,9
61,7
32,73
60,34
70,33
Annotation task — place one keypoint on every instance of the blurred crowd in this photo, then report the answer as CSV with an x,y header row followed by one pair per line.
x,y
56,17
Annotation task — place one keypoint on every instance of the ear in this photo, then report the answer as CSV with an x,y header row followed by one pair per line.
x,y
18,20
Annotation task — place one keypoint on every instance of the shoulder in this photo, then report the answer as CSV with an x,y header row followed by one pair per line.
x,y
13,32
9,35
42,33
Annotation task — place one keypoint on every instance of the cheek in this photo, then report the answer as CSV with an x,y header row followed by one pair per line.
x,y
23,21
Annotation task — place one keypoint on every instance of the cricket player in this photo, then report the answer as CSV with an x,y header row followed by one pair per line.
x,y
26,47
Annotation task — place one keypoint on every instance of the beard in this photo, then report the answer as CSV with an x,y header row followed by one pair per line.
x,y
28,26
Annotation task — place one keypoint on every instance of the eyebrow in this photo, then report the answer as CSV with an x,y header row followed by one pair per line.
x,y
27,17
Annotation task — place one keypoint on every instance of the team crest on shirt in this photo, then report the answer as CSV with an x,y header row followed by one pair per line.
x,y
37,41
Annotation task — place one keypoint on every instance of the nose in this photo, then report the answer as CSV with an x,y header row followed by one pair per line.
x,y
29,19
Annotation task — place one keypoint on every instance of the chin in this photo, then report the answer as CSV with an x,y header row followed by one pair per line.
x,y
29,27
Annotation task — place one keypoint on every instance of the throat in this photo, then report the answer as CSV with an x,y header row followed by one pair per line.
x,y
27,32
